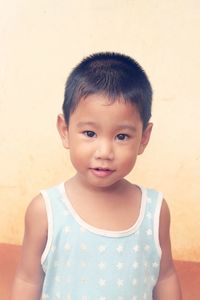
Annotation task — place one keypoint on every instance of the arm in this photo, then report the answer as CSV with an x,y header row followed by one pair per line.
x,y
29,276
167,286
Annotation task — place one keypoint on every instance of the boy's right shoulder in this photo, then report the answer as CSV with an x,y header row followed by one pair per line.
x,y
36,208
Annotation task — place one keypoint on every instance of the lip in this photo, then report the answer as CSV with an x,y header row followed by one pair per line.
x,y
101,172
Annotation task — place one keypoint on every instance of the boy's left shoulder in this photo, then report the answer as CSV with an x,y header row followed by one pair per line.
x,y
164,215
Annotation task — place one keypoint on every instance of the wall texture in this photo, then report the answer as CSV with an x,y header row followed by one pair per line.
x,y
40,43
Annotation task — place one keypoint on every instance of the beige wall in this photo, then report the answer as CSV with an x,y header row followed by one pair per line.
x,y
41,41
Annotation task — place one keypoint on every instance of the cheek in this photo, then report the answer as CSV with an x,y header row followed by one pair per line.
x,y
128,159
79,156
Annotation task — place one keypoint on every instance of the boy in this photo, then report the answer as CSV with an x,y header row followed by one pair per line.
x,y
98,236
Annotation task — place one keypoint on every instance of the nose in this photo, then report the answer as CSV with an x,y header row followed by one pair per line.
x,y
104,150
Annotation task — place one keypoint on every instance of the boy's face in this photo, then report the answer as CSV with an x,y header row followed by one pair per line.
x,y
104,139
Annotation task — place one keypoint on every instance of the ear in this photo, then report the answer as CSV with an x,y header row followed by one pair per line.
x,y
63,130
145,138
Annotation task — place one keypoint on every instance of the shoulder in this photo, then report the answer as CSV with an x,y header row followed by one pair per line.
x,y
36,207
164,236
164,219
36,216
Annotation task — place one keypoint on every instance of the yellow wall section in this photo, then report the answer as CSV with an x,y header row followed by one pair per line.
x,y
40,43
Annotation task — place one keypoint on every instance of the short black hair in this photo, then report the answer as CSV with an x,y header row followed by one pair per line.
x,y
112,74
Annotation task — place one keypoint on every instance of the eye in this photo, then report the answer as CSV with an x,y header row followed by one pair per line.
x,y
122,137
89,133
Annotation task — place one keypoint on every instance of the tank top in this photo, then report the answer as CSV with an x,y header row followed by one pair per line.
x,y
82,262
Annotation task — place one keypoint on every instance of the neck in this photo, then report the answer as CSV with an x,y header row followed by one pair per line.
x,y
117,188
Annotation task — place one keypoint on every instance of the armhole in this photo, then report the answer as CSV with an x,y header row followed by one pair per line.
x,y
157,222
50,226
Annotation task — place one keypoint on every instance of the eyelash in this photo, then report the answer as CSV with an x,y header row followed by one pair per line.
x,y
89,133
92,134
124,135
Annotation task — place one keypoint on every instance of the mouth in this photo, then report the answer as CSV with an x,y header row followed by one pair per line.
x,y
101,172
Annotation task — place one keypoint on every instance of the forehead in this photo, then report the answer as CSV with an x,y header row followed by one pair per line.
x,y
100,109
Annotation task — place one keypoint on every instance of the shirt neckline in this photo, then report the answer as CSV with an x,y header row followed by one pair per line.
x,y
100,231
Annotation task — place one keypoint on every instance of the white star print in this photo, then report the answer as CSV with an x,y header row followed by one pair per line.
x,y
146,264
83,247
120,282
134,282
102,265
82,229
57,278
83,280
148,200
102,248
136,248
149,232
58,295
149,215
53,248
67,229
119,265
120,248
83,264
135,265
65,212
68,264
67,247
146,247
155,265
102,282
68,297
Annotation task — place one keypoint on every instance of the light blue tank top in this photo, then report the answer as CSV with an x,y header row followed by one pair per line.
x,y
82,262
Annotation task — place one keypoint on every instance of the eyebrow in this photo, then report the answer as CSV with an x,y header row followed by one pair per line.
x,y
127,126
119,126
88,123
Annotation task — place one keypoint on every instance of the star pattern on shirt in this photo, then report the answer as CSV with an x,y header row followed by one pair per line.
x,y
149,215
65,212
155,265
83,247
102,248
53,248
135,265
112,258
67,247
102,282
146,247
136,248
57,278
120,265
134,281
68,264
120,282
67,229
83,264
120,248
149,232
102,265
